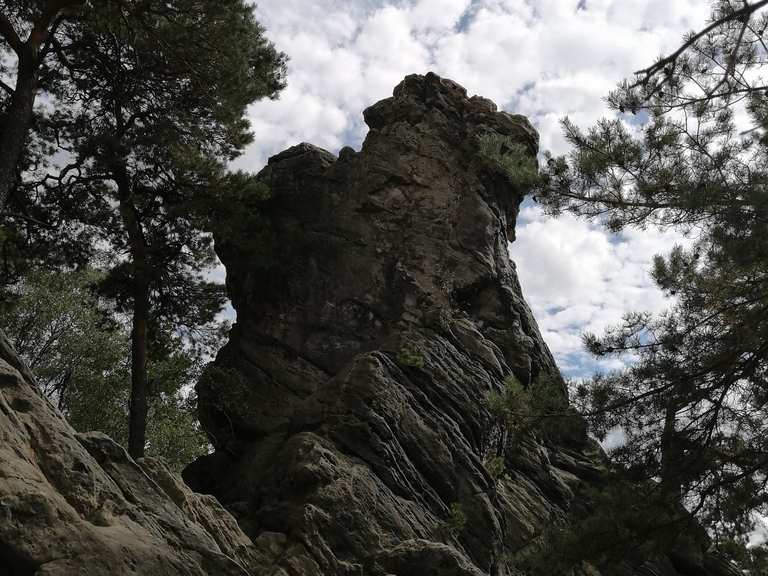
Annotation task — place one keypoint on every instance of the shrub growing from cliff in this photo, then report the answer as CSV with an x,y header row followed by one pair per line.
x,y
511,408
541,409
512,158
410,356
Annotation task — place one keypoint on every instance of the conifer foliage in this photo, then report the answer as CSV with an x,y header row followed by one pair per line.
x,y
148,105
694,405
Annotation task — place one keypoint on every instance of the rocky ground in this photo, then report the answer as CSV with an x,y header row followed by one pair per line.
x,y
76,504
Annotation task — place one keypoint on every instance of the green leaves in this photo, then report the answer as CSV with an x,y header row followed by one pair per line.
x,y
496,467
457,519
512,158
150,105
518,411
512,404
410,355
696,380
80,353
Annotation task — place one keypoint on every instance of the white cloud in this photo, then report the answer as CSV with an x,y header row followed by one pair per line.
x,y
502,45
542,58
545,58
579,279
759,536
437,15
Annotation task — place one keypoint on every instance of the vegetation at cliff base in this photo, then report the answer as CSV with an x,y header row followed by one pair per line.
x,y
79,350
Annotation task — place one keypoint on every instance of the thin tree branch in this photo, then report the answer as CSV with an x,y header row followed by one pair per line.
x,y
51,35
40,28
7,88
729,71
740,14
28,219
8,32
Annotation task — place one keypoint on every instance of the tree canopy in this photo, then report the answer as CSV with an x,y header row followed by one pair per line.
x,y
145,104
688,150
79,350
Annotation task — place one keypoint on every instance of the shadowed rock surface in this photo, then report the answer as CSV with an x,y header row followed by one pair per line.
x,y
377,310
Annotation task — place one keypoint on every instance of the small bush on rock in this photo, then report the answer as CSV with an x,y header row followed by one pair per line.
x,y
512,158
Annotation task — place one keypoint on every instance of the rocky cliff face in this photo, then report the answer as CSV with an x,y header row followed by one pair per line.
x,y
377,311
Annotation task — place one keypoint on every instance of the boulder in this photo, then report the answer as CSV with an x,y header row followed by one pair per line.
x,y
77,504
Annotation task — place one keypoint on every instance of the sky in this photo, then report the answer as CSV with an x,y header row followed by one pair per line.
x,y
546,59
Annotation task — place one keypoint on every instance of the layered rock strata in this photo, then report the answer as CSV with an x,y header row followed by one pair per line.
x,y
377,312
353,410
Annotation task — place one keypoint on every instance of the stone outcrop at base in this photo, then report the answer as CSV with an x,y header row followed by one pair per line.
x,y
76,504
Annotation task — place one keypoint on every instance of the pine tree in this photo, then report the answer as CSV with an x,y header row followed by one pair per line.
x,y
155,99
694,404
149,104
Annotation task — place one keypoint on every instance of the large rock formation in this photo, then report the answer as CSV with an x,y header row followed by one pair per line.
x,y
377,311
76,504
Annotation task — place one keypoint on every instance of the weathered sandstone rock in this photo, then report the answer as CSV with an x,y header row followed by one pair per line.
x,y
377,310
77,505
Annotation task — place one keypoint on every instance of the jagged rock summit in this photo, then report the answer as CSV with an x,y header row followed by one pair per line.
x,y
377,309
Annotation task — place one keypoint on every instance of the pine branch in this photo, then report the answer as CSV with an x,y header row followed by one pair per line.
x,y
8,32
741,14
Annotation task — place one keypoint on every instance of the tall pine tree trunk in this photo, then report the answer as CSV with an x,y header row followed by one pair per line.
x,y
14,129
671,455
17,121
15,125
139,406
